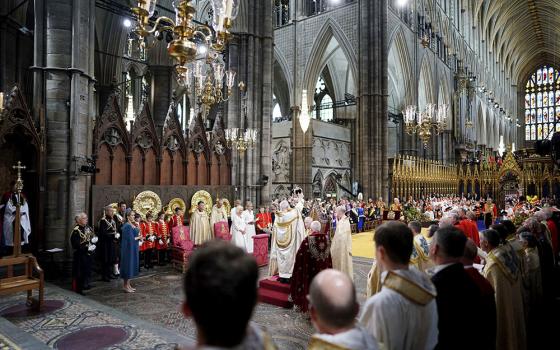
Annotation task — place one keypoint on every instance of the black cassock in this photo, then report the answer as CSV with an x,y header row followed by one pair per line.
x,y
81,264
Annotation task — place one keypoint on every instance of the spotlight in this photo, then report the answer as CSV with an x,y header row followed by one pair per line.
x,y
127,23
402,2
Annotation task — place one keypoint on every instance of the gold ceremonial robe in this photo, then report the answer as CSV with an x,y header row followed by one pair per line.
x,y
420,257
341,248
200,227
504,275
287,234
373,280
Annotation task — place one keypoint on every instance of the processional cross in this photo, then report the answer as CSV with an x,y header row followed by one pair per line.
x,y
17,230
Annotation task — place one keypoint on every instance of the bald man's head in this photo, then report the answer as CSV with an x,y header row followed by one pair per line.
x,y
333,297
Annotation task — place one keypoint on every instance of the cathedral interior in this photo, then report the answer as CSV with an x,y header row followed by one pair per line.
x,y
101,100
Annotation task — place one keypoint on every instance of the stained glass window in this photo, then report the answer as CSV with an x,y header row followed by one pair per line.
x,y
542,104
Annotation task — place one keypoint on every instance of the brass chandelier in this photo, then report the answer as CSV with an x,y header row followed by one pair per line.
x,y
242,139
197,49
422,123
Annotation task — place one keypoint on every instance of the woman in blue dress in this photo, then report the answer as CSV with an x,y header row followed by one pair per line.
x,y
361,217
129,251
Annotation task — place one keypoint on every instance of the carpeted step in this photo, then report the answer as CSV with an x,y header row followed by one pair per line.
x,y
275,298
272,283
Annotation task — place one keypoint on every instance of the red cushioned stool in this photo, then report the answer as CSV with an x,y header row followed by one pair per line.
x,y
260,249
182,248
221,231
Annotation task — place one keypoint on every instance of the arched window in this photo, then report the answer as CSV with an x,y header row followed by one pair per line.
x,y
276,113
326,113
542,104
323,101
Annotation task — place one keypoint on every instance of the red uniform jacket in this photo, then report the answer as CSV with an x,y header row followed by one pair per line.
x,y
263,220
148,229
163,234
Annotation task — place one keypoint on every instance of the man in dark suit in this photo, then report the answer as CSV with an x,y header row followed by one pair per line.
x,y
458,298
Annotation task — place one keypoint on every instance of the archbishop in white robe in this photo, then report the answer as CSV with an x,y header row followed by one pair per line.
x,y
250,232
287,234
10,217
403,315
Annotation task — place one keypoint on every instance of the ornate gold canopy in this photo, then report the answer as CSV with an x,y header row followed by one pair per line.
x,y
201,196
147,201
227,205
175,203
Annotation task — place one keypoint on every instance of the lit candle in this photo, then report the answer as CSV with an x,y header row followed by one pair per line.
x,y
229,8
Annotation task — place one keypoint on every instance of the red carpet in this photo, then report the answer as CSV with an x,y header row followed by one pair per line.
x,y
273,292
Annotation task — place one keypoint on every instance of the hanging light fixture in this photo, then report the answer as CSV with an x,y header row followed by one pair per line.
x,y
242,139
304,118
434,117
196,48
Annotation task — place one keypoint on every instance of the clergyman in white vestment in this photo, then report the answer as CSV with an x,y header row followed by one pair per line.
x,y
10,217
288,233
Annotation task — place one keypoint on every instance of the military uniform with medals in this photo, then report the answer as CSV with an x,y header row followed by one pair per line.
x,y
83,242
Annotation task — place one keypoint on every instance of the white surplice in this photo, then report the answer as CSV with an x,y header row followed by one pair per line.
x,y
287,235
356,338
249,229
399,323
238,225
10,217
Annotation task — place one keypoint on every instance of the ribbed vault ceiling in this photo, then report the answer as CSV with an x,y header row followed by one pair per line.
x,y
521,33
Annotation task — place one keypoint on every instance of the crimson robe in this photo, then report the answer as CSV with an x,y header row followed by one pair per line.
x,y
553,235
313,256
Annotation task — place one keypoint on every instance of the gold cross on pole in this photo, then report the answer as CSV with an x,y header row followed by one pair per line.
x,y
17,227
19,181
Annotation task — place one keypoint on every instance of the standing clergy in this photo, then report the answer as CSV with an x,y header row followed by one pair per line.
x,y
238,228
287,234
341,248
200,225
403,314
420,256
83,242
505,276
108,239
218,214
8,207
249,218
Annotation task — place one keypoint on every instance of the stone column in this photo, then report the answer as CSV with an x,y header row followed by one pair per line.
x,y
162,86
371,167
64,55
251,56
